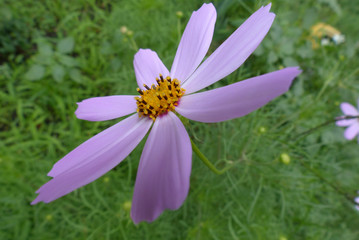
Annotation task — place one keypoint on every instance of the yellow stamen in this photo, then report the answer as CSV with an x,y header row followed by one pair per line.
x,y
160,98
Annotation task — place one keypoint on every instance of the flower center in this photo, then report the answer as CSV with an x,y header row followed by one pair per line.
x,y
160,98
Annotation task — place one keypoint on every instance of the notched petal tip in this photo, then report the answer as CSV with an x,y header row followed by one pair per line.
x,y
77,111
138,221
93,158
51,173
148,66
295,70
237,99
268,6
143,50
195,42
37,199
210,6
232,52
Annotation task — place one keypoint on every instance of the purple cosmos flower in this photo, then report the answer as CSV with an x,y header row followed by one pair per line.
x,y
352,124
163,175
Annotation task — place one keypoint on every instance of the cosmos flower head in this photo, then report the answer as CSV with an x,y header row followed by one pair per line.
x,y
352,125
163,175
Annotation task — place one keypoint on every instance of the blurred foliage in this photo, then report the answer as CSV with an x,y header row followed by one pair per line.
x,y
14,39
61,52
57,62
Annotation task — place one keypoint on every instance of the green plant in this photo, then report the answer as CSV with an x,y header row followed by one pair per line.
x,y
55,62
14,39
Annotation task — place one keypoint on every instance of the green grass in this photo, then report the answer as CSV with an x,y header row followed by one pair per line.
x,y
259,198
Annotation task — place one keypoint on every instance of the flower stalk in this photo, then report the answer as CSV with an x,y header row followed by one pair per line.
x,y
133,44
317,173
326,123
179,15
332,185
206,162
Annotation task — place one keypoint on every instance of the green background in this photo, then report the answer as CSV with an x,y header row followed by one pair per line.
x,y
56,53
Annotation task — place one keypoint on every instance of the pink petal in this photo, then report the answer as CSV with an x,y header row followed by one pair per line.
x,y
237,99
351,131
100,144
195,42
105,108
94,158
164,172
349,109
148,66
345,122
233,52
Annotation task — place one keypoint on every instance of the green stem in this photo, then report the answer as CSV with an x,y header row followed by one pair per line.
x,y
332,185
207,162
179,31
307,132
335,187
328,81
133,43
